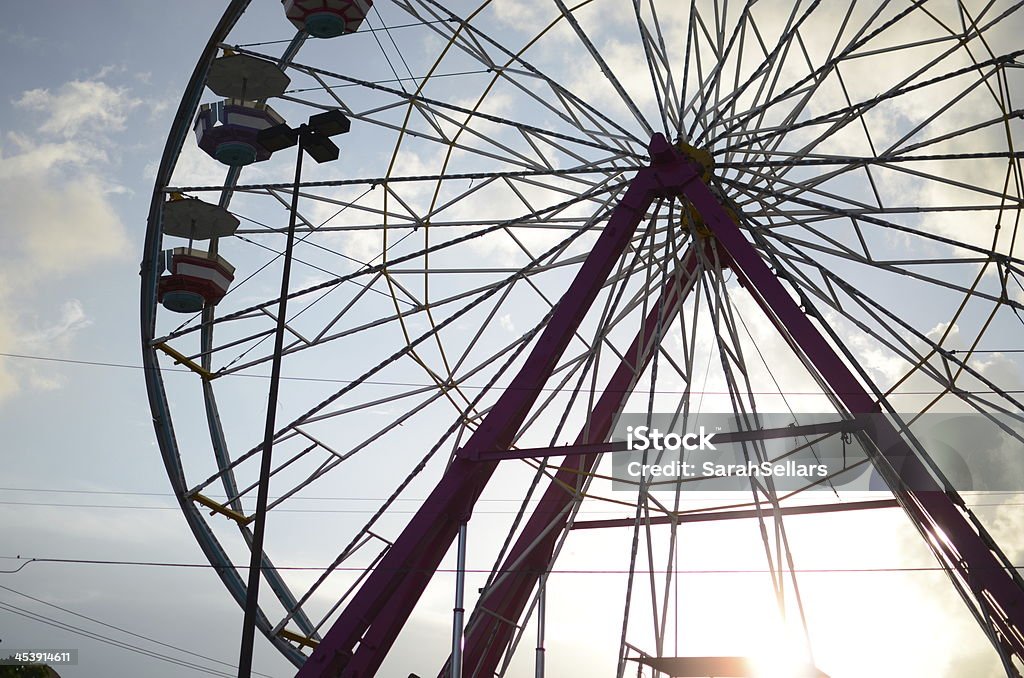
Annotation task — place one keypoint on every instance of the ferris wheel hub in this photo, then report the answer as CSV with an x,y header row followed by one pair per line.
x,y
663,153
699,156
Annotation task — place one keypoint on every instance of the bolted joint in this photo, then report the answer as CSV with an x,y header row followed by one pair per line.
x,y
660,150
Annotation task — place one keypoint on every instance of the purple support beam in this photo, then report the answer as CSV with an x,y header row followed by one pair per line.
x,y
966,550
488,634
962,545
360,638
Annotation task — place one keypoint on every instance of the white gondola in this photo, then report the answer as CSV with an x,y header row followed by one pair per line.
x,y
327,18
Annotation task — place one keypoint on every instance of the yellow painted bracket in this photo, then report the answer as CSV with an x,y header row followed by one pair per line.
x,y
296,638
181,359
216,507
698,155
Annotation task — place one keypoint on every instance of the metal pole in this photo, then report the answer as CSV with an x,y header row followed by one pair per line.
x,y
459,611
259,521
542,595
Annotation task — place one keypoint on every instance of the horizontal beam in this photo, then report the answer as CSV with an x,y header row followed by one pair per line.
x,y
181,359
738,514
727,437
722,667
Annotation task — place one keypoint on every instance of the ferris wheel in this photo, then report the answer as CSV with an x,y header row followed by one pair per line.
x,y
402,380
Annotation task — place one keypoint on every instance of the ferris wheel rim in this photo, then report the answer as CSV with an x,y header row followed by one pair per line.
x,y
210,546
158,196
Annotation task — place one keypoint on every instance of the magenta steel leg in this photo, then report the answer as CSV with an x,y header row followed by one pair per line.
x,y
360,638
964,546
487,635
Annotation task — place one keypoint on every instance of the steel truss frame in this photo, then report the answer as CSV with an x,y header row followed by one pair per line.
x,y
361,637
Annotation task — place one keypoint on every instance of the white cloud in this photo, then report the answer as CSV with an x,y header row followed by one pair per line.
x,y
37,336
58,216
529,17
72,319
8,382
20,38
58,219
44,382
77,106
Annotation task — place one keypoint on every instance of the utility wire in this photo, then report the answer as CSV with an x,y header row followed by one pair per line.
x,y
123,630
68,491
110,641
98,363
221,496
303,568
411,78
354,510
362,29
276,510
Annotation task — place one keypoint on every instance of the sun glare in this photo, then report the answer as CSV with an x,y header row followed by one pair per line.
x,y
781,653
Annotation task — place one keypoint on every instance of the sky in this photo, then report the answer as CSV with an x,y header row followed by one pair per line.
x,y
85,113
88,95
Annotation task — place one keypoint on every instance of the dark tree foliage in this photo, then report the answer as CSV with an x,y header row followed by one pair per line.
x,y
25,671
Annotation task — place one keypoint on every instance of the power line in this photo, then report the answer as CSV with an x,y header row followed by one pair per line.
x,y
276,510
411,78
362,29
122,630
573,571
221,496
35,616
97,363
366,511
128,493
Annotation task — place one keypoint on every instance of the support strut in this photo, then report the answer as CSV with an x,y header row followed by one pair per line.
x,y
489,632
360,638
